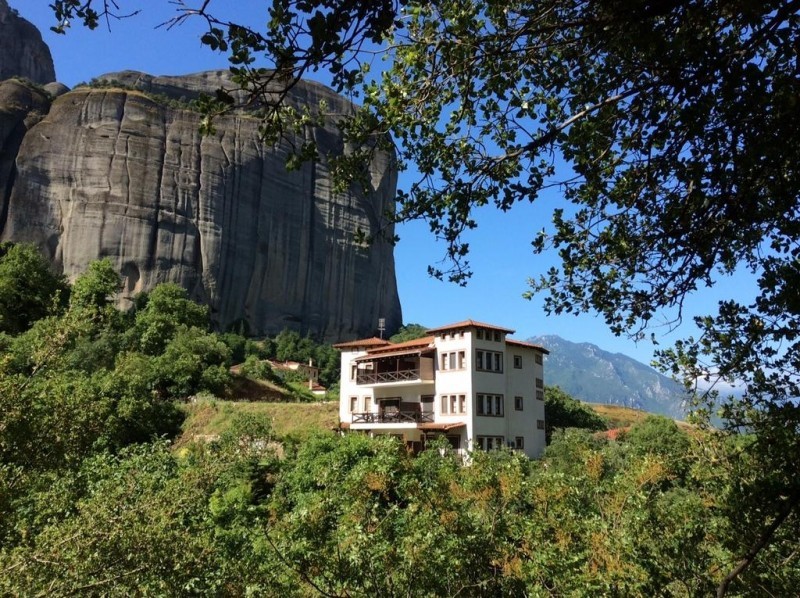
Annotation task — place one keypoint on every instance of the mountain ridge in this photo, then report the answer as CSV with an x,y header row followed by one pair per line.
x,y
592,374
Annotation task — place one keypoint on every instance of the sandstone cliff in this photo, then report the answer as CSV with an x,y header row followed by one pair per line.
x,y
119,172
22,51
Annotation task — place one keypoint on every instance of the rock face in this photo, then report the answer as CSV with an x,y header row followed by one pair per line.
x,y
122,172
22,51
21,107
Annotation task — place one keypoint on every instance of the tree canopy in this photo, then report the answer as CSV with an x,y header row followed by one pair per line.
x,y
564,411
669,127
409,332
101,492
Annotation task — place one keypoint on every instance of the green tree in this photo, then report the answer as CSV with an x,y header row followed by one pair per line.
x,y
168,308
29,289
671,127
193,360
659,435
563,411
96,288
141,526
409,332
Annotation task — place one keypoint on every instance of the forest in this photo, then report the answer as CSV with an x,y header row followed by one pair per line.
x,y
96,499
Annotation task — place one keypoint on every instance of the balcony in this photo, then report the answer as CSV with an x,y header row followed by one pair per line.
x,y
394,417
394,370
388,377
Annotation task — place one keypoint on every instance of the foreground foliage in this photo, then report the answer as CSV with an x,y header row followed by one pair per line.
x,y
359,516
95,500
671,128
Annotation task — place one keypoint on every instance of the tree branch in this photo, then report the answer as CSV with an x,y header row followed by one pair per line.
x,y
763,540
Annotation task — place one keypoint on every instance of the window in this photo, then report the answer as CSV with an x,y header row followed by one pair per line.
x,y
353,371
368,404
487,443
539,383
517,403
452,361
454,404
519,442
540,395
479,334
497,336
491,405
353,404
489,361
539,359
540,424
518,361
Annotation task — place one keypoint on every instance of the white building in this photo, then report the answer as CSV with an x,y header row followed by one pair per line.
x,y
467,381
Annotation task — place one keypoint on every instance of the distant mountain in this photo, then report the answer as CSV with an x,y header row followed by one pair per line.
x,y
591,374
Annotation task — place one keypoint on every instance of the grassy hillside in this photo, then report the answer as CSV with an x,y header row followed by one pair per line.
x,y
208,418
617,415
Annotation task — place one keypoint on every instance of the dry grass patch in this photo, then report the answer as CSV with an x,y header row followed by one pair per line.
x,y
618,416
207,419
624,417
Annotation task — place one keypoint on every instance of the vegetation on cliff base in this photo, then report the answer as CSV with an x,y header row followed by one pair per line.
x,y
677,122
102,494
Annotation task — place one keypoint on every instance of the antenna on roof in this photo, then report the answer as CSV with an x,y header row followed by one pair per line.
x,y
381,326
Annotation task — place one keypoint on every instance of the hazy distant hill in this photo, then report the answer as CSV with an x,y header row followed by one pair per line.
x,y
591,374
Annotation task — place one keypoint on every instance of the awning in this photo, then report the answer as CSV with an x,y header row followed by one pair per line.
x,y
416,353
443,427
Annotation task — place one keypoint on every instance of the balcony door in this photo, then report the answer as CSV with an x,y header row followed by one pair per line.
x,y
389,408
426,402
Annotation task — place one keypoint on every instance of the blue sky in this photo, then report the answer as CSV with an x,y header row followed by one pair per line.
x,y
501,255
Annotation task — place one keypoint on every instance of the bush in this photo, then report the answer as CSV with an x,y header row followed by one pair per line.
x,y
562,411
256,369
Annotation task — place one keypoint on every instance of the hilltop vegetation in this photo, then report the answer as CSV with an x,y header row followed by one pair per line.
x,y
106,487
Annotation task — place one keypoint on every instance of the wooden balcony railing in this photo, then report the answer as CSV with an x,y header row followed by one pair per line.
x,y
393,417
383,377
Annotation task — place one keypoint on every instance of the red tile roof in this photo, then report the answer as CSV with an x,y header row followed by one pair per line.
x,y
366,342
468,324
417,343
613,434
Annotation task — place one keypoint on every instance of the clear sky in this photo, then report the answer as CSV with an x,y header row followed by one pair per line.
x,y
501,255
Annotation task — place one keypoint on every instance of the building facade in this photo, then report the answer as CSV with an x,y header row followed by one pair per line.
x,y
466,381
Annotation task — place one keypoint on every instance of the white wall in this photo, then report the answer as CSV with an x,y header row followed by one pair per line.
x,y
510,383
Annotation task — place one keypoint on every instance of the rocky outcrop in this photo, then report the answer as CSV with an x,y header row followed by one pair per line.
x,y
23,53
122,172
21,107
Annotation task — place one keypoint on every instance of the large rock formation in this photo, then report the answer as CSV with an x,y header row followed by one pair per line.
x,y
21,107
122,172
22,51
